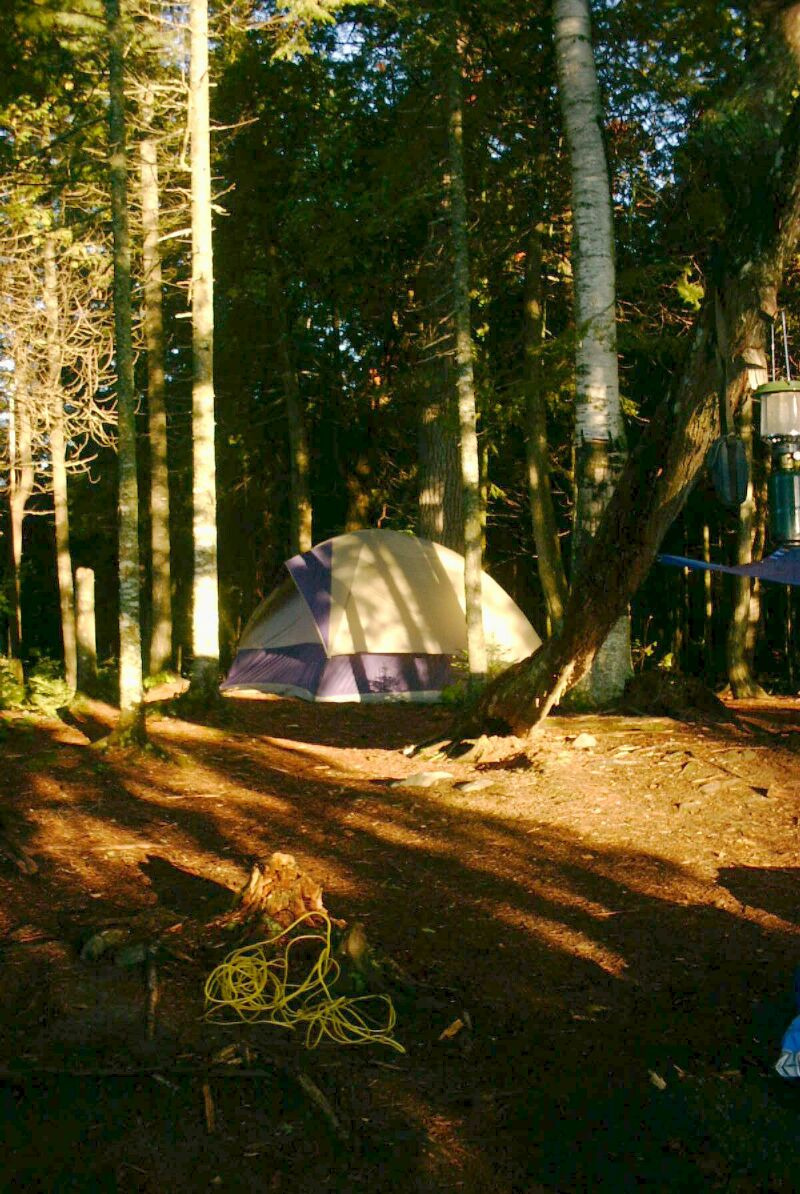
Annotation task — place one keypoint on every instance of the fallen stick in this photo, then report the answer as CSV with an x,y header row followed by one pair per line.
x,y
152,995
208,1107
320,1100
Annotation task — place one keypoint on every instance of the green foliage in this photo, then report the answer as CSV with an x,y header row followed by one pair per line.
x,y
691,292
12,693
47,689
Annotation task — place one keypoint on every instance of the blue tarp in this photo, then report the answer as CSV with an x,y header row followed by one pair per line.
x,y
782,567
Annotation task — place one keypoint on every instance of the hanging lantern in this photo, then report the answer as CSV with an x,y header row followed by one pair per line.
x,y
780,412
779,426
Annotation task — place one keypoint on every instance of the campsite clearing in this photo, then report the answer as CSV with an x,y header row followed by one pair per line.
x,y
603,941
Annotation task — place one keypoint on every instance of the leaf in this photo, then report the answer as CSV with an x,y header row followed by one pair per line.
x,y
452,1030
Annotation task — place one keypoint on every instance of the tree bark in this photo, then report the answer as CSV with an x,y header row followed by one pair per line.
x,y
20,488
739,644
545,529
86,635
130,643
160,645
440,516
659,475
58,459
465,384
205,610
599,443
300,510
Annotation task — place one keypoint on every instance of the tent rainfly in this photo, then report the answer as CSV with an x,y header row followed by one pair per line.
x,y
371,616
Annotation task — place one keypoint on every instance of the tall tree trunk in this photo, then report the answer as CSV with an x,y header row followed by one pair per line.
x,y
205,613
545,530
739,654
130,643
20,488
659,475
440,516
58,454
465,384
599,428
160,645
300,511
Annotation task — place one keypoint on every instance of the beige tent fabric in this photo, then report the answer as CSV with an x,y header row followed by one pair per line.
x,y
282,620
394,593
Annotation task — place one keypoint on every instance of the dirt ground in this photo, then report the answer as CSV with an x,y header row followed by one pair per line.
x,y
615,921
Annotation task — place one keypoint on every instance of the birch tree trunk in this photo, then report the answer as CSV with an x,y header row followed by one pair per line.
x,y
130,643
465,384
205,611
58,455
160,645
599,438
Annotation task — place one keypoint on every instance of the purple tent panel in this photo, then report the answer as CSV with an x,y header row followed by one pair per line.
x,y
305,671
782,567
312,572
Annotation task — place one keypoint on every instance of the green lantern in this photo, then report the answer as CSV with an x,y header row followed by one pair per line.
x,y
779,426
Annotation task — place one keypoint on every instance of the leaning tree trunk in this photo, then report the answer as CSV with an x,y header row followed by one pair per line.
x,y
160,646
205,609
58,456
465,383
659,475
599,429
130,643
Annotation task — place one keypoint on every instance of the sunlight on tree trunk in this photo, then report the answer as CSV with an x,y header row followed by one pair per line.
x,y
739,656
58,455
86,634
130,644
205,612
160,645
467,416
599,428
20,488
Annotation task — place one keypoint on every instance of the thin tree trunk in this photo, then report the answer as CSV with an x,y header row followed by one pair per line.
x,y
58,454
708,605
739,654
205,614
545,530
467,415
160,646
599,428
130,643
20,488
359,497
300,510
86,634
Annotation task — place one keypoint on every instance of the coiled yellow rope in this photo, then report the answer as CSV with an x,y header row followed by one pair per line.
x,y
256,988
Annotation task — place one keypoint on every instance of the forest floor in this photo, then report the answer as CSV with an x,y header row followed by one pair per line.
x,y
616,927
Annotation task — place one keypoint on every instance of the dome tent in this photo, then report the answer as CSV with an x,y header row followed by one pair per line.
x,y
371,616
